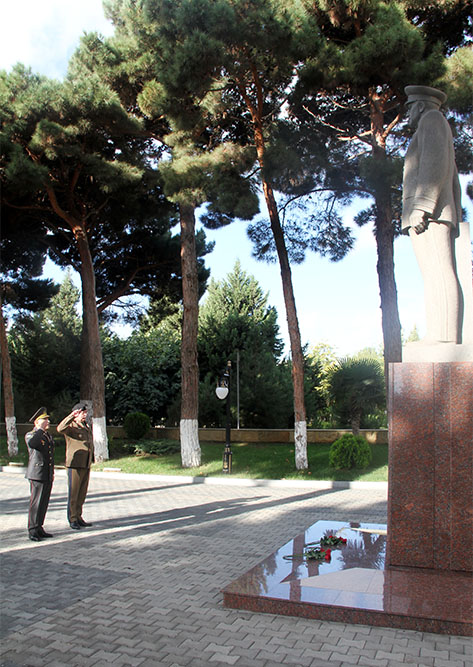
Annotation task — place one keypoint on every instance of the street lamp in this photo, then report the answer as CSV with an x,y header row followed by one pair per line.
x,y
223,393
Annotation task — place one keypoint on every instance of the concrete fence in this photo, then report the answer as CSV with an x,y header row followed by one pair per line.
x,y
256,435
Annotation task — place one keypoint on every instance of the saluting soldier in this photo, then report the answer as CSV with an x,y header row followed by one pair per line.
x,y
79,449
40,473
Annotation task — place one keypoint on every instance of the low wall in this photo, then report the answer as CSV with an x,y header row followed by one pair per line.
x,y
314,435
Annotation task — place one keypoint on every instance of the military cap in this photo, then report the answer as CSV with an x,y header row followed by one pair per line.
x,y
41,413
79,406
424,94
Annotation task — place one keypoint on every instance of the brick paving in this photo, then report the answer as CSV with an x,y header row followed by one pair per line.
x,y
142,586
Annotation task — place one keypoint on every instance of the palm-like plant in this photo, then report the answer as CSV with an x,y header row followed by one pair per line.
x,y
356,387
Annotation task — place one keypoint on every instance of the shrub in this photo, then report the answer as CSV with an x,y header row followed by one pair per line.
x,y
136,425
157,447
118,447
350,451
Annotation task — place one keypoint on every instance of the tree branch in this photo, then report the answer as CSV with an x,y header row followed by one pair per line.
x,y
340,130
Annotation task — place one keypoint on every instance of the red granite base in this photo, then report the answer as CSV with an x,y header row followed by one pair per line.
x,y
430,499
355,586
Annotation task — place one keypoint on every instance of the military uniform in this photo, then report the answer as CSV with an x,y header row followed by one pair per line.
x,y
79,450
40,472
432,216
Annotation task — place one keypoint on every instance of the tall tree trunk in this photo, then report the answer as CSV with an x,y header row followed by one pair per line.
x,y
300,423
92,373
189,424
10,421
384,232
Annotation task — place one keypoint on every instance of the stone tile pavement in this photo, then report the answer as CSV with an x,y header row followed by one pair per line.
x,y
142,586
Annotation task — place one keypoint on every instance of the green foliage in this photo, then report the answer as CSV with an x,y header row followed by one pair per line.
x,y
375,171
390,50
370,353
444,22
158,62
378,418
181,67
87,165
23,246
459,80
136,425
350,451
357,388
236,321
327,415
413,335
320,360
45,356
458,84
142,373
352,90
157,447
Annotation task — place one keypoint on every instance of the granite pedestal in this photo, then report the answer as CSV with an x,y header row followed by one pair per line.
x,y
417,574
430,497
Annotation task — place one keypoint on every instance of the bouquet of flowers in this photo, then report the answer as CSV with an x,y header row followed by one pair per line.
x,y
320,550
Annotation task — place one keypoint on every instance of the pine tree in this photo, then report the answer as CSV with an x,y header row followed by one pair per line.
x,y
248,52
201,166
237,324
67,153
353,90
372,52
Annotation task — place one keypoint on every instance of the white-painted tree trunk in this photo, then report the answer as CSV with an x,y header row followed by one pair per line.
x,y
12,436
300,442
190,447
99,432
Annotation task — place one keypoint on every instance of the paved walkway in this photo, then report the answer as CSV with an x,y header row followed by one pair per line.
x,y
142,586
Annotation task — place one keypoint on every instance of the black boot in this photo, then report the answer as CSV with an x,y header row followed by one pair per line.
x,y
34,535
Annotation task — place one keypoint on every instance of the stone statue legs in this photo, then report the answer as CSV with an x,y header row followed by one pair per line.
x,y
434,251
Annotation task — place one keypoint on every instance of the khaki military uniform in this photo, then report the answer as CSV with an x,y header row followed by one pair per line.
x,y
79,452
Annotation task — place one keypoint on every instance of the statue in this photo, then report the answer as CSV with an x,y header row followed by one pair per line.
x,y
432,216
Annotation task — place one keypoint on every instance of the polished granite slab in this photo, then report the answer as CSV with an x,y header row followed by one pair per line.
x,y
354,586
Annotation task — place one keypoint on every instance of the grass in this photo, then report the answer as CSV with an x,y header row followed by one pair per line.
x,y
249,460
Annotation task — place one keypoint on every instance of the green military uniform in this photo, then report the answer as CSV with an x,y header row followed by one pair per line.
x,y
79,451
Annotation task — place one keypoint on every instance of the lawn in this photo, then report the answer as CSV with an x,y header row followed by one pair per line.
x,y
250,460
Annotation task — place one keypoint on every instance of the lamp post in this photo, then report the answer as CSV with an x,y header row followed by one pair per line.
x,y
223,393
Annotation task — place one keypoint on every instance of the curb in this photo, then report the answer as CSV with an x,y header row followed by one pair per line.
x,y
219,481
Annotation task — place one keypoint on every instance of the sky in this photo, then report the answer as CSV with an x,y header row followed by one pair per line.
x,y
337,302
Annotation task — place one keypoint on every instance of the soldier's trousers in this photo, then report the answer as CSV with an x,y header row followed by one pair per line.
x,y
78,482
39,500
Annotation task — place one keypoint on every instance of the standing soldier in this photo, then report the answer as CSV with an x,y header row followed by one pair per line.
x,y
432,216
40,473
79,448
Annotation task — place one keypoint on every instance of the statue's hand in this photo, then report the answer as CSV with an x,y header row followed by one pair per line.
x,y
419,221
